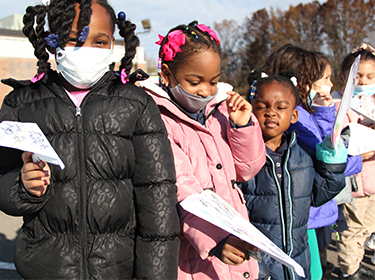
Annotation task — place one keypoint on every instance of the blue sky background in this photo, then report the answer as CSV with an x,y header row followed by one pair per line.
x,y
165,14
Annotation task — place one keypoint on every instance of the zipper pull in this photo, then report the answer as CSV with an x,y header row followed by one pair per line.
x,y
78,111
233,183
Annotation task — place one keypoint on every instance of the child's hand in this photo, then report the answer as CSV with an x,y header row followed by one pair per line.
x,y
234,251
239,109
35,175
368,155
323,99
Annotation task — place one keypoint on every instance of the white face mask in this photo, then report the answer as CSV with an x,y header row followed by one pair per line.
x,y
324,88
82,67
190,102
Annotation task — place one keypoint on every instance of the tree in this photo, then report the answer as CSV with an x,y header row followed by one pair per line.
x,y
346,24
229,33
300,25
256,39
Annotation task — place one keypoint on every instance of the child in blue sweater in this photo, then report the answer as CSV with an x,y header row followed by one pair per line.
x,y
279,197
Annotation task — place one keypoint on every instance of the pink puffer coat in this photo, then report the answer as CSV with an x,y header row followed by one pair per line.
x,y
213,156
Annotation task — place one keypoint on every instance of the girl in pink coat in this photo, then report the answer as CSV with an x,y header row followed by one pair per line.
x,y
216,141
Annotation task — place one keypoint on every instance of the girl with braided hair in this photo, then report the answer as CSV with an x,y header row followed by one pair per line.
x,y
111,213
216,141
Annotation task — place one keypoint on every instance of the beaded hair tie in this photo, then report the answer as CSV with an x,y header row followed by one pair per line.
x,y
253,87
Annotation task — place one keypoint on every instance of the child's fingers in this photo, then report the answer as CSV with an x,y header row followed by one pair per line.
x,y
37,186
34,174
26,157
232,259
235,101
250,247
234,251
37,191
367,155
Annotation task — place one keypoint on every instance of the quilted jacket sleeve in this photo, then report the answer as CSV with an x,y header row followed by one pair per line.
x,y
14,199
155,198
330,166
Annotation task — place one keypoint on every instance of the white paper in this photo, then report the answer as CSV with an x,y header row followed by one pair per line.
x,y
28,137
211,207
364,105
361,139
345,103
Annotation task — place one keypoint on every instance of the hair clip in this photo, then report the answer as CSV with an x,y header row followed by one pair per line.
x,y
294,81
194,34
204,28
124,76
84,33
171,47
159,70
253,89
159,65
121,16
37,77
52,40
365,47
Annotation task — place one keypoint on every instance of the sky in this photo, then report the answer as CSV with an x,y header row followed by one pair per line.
x,y
165,14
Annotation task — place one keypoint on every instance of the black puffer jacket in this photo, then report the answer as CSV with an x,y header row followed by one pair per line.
x,y
111,213
281,212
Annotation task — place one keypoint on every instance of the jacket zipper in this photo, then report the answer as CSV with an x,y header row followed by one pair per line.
x,y
290,201
280,200
83,192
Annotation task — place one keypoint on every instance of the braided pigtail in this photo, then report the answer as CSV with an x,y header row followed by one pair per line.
x,y
64,16
40,49
126,30
84,19
36,36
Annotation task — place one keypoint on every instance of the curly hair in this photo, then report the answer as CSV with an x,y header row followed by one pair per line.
x,y
60,14
310,67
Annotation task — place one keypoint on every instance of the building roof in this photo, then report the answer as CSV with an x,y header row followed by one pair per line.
x,y
12,22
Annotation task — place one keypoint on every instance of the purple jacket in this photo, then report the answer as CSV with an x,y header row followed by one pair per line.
x,y
312,129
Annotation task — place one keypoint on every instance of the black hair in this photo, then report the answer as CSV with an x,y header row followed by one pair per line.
x,y
306,62
61,14
196,41
349,59
256,81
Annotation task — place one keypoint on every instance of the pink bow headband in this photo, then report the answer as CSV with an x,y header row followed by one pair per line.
x,y
176,39
205,28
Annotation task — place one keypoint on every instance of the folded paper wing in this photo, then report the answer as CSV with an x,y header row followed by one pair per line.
x,y
28,137
211,207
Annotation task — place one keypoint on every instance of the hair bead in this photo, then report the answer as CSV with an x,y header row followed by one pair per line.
x,y
121,16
